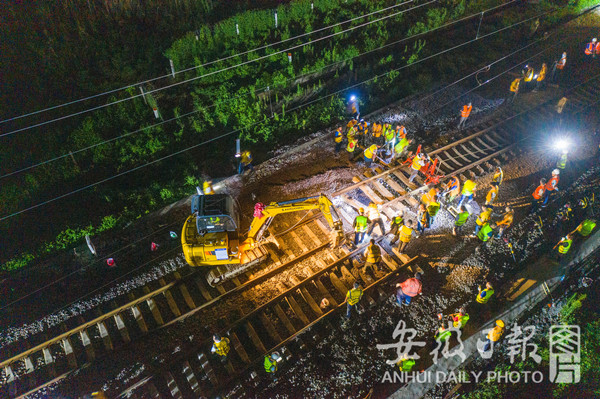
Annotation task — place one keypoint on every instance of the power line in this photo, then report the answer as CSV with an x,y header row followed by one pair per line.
x,y
263,88
205,64
209,73
266,118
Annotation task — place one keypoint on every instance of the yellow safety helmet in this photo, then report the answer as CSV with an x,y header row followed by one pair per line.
x,y
361,210
500,323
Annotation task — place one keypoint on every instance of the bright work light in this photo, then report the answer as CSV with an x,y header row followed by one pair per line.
x,y
562,145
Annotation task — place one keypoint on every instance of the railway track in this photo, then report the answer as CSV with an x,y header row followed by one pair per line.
x,y
325,273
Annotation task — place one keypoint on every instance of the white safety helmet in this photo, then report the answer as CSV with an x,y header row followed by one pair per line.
x,y
594,40
556,172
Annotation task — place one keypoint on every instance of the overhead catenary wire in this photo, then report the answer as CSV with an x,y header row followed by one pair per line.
x,y
255,123
72,152
202,65
209,73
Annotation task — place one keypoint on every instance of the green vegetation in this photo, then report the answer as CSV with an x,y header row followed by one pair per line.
x,y
118,42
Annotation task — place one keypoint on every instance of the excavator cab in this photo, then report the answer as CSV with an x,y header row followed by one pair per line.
x,y
210,233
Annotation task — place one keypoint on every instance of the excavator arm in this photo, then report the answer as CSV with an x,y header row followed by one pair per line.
x,y
263,216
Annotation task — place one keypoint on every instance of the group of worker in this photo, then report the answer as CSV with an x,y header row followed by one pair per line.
x,y
535,81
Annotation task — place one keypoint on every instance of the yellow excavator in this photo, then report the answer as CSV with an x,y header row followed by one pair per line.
x,y
210,235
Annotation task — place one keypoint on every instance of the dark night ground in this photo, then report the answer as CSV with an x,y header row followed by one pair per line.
x,y
349,377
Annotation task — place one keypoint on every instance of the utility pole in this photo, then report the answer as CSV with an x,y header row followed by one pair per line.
x,y
172,68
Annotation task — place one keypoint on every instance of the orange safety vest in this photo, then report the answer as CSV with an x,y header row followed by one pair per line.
x,y
507,219
491,195
552,183
514,86
590,48
539,191
376,131
542,74
466,111
401,133
561,63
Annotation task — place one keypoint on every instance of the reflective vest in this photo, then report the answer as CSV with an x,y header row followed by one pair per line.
x,y
514,86
388,132
351,143
433,208
411,287
376,131
598,48
351,123
423,217
539,191
542,73
589,50
485,295
405,234
373,212
370,151
207,188
397,221
352,133
483,217
528,75
354,295
561,105
373,253
562,62
498,177
461,218
485,233
564,245
453,186
468,187
562,161
586,227
338,136
222,347
552,183
401,132
361,223
417,163
491,195
400,146
466,111
406,364
429,196
442,335
270,365
246,158
459,320
507,219
495,334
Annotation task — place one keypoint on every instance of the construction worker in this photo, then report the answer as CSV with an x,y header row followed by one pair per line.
x,y
376,134
430,196
422,219
409,289
564,244
467,192
220,346
432,210
417,163
540,77
245,162
400,147
527,74
352,123
551,186
460,319
464,115
486,232
559,66
482,219
442,335
352,107
586,227
514,88
452,189
353,297
460,220
483,296
405,363
494,335
537,195
373,256
498,176
389,135
363,131
492,195
338,137
506,222
396,225
370,153
360,224
270,362
590,49
352,143
374,217
400,132
207,187
562,160
405,235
